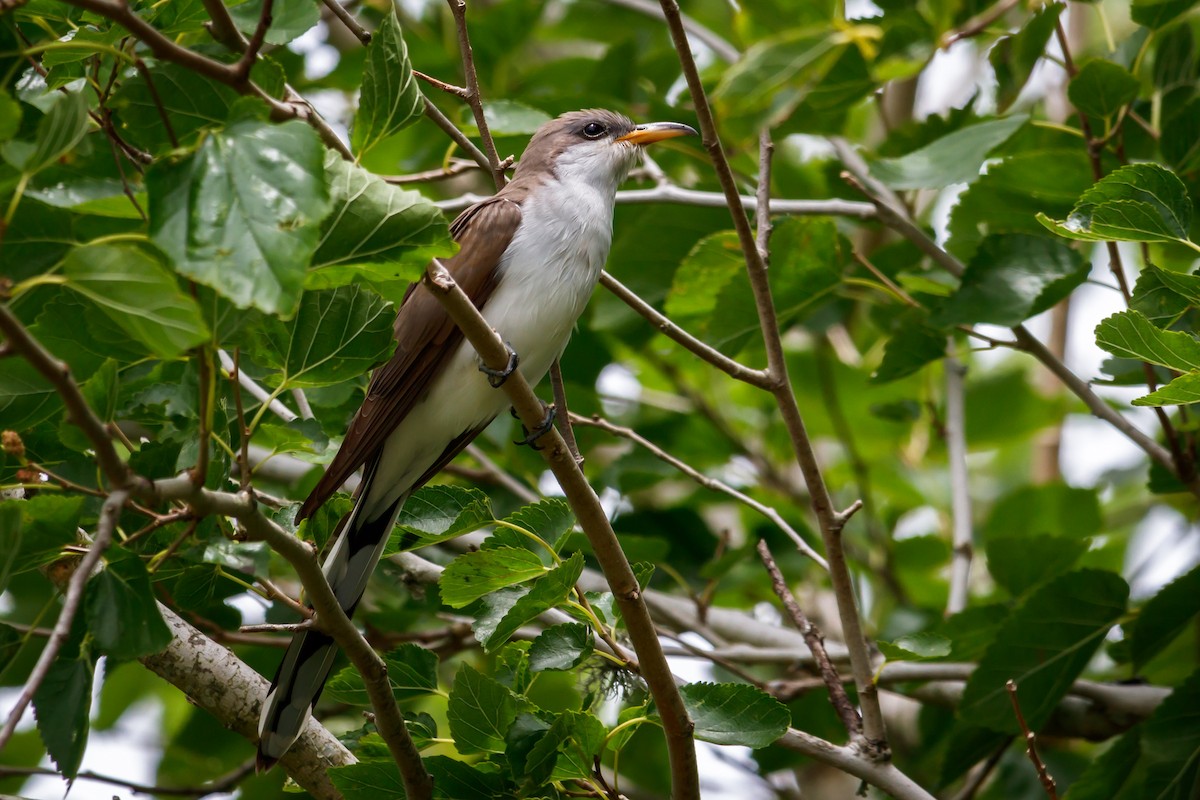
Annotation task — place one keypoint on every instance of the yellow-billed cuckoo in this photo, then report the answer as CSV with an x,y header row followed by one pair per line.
x,y
530,257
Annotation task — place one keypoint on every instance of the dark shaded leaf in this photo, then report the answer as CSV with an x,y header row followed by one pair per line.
x,y
1171,744
1011,278
368,780
1164,617
436,513
1020,562
411,669
289,18
561,647
1043,647
61,705
914,344
121,613
1101,88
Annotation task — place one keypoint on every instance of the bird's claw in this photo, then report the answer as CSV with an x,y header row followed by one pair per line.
x,y
497,377
541,430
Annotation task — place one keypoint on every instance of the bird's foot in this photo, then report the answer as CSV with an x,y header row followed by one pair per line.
x,y
538,432
497,377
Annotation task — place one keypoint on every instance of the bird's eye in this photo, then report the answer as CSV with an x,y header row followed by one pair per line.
x,y
593,130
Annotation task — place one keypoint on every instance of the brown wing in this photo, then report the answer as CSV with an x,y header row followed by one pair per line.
x,y
425,338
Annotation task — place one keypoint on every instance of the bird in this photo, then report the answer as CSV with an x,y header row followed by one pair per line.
x,y
529,258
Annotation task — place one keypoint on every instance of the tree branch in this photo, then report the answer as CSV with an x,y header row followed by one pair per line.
x,y
677,727
831,521
347,19
474,99
960,490
723,49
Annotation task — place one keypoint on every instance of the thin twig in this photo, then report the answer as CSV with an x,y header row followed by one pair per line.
x,y
978,23
302,403
437,83
73,597
729,366
596,421
814,640
762,209
450,129
960,490
158,103
458,166
243,458
346,18
677,726
474,99
500,477
1031,744
250,55
222,785
257,392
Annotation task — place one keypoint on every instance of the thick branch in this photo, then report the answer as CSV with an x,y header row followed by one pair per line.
x,y
960,490
657,673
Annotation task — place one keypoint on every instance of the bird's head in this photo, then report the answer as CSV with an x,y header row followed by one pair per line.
x,y
596,146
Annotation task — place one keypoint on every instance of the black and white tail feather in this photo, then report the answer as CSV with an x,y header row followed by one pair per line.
x,y
310,655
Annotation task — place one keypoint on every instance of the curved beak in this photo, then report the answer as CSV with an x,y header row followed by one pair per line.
x,y
657,131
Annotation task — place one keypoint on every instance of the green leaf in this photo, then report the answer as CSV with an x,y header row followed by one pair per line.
x,y
480,712
1110,770
336,335
10,117
10,638
193,104
62,705
458,780
585,741
289,18
47,524
136,291
120,610
776,74
1009,196
972,630
368,780
1043,647
549,519
437,513
1130,335
1157,13
1052,509
411,669
1020,562
735,713
390,100
1184,284
1101,88
561,647
1013,58
1171,744
507,118
58,132
377,233
1011,278
241,214
954,158
914,344
916,647
472,575
1182,390
100,392
1164,616
1136,203
547,592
